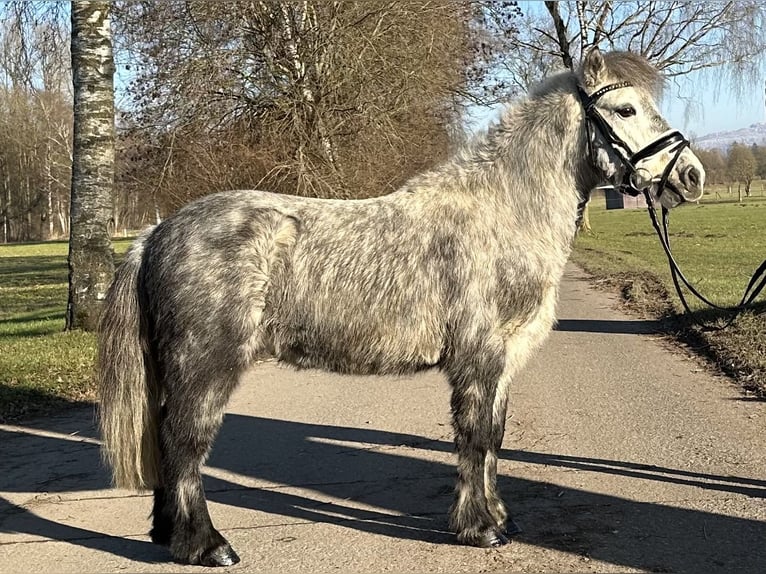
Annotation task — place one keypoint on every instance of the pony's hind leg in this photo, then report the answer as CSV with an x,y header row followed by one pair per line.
x,y
162,522
478,412
181,519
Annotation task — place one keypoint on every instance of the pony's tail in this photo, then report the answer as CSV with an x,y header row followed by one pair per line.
x,y
128,390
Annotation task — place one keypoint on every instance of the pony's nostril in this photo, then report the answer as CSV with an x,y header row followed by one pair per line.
x,y
693,177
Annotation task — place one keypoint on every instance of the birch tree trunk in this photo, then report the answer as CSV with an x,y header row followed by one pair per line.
x,y
6,207
91,263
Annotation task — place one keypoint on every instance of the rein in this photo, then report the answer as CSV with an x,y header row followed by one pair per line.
x,y
754,287
635,183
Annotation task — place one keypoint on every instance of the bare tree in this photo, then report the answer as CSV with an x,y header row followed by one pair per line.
x,y
678,37
742,167
91,265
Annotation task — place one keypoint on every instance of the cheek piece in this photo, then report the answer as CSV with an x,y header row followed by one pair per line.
x,y
635,180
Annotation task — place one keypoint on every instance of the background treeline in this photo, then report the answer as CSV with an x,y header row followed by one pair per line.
x,y
740,164
323,98
319,98
35,125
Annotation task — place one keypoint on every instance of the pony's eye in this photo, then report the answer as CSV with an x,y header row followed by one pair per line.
x,y
626,111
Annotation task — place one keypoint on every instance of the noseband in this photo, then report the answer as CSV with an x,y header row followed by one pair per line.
x,y
634,182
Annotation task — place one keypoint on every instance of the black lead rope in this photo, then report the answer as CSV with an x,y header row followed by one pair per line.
x,y
754,287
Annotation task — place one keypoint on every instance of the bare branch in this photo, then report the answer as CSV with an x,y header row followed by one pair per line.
x,y
561,34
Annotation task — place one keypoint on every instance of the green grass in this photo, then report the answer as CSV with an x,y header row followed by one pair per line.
x,y
42,367
718,244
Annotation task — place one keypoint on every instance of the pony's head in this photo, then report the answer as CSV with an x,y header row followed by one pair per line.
x,y
631,144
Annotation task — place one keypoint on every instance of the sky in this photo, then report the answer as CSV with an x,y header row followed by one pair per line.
x,y
697,108
714,108
696,105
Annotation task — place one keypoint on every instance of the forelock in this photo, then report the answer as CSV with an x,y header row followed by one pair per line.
x,y
634,68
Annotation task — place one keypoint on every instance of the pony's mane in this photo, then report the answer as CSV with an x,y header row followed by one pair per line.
x,y
483,146
621,67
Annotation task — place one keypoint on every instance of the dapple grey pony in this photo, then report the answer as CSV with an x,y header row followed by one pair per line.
x,y
458,270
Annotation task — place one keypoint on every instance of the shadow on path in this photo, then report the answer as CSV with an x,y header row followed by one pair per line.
x,y
333,470
16,519
608,326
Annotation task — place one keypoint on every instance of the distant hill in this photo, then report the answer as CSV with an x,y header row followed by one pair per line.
x,y
755,134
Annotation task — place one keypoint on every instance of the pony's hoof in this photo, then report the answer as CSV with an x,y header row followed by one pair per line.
x,y
490,537
160,536
223,555
493,538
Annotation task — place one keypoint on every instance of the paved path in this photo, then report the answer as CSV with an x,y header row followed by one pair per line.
x,y
621,455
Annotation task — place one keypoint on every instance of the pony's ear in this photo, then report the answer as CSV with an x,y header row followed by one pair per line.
x,y
593,67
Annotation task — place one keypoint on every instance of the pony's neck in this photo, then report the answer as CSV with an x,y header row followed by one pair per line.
x,y
536,156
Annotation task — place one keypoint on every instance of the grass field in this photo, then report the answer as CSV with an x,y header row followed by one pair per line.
x,y
718,244
41,366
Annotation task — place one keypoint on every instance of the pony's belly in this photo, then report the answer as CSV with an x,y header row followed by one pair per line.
x,y
362,356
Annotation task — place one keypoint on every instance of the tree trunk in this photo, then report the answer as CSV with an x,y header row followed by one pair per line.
x,y
63,220
91,262
7,208
561,34
48,191
6,205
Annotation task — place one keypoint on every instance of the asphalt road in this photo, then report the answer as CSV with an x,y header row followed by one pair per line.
x,y
622,454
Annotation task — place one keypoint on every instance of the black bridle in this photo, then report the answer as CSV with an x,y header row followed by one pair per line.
x,y
635,183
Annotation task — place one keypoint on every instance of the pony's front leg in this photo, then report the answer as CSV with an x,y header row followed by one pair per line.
x,y
479,399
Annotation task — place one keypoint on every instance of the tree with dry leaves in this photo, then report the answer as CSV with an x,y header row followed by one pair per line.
x,y
714,162
331,99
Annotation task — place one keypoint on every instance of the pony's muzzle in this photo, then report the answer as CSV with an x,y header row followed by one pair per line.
x,y
688,177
